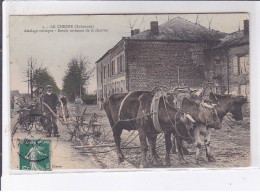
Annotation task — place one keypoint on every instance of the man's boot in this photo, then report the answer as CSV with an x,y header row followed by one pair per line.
x,y
48,134
56,134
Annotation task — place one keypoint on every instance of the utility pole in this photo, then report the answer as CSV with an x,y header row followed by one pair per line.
x,y
80,89
178,75
28,80
31,80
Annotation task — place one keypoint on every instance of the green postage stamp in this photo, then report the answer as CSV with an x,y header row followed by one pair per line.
x,y
34,154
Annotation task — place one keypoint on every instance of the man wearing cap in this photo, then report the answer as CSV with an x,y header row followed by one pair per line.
x,y
51,99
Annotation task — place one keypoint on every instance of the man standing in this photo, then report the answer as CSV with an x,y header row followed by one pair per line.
x,y
51,99
78,104
40,94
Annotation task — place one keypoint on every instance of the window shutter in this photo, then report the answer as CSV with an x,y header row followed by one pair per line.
x,y
247,66
235,65
248,93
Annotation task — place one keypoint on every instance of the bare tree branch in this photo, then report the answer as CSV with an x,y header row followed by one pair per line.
x,y
209,21
197,19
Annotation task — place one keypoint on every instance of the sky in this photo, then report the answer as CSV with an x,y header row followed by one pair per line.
x,y
54,50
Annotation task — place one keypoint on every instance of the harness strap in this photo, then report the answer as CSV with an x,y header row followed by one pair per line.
x,y
222,108
154,110
122,103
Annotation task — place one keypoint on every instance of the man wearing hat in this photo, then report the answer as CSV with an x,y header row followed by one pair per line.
x,y
51,99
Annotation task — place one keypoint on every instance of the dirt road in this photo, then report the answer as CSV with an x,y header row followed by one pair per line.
x,y
230,145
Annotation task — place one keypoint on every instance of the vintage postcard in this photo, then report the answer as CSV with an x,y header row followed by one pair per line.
x,y
129,91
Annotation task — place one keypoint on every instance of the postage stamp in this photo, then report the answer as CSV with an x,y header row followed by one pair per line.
x,y
34,154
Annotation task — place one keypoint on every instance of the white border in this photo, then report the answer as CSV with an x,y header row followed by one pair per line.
x,y
178,179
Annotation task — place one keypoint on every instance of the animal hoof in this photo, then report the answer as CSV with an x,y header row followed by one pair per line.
x,y
183,161
143,166
158,160
120,160
187,152
211,159
174,151
198,160
167,163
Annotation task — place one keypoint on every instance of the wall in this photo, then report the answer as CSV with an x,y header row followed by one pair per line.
x,y
111,83
226,57
217,58
236,80
153,63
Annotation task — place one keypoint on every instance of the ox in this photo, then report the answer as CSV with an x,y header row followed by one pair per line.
x,y
205,118
132,111
228,104
223,104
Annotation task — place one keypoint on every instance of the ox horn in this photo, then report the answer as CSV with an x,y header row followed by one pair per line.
x,y
190,118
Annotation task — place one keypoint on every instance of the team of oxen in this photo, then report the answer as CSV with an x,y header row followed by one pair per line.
x,y
154,112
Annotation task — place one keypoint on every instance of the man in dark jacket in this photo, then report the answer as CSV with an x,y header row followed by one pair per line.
x,y
51,99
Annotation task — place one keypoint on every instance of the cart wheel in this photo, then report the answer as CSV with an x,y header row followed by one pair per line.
x,y
38,124
98,134
28,124
84,133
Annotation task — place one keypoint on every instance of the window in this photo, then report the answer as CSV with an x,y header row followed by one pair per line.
x,y
118,87
100,74
235,65
112,88
108,70
244,90
241,65
118,65
217,68
121,63
104,73
105,91
113,68
244,64
122,85
236,90
218,90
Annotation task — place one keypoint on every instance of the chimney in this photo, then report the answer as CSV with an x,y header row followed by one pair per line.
x,y
137,31
132,32
246,27
154,28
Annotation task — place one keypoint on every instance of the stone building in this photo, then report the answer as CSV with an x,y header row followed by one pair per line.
x,y
167,55
227,64
176,53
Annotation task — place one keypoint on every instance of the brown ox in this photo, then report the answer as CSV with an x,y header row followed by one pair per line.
x,y
138,105
223,104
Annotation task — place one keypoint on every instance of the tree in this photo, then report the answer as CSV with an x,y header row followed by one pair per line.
x,y
197,19
210,21
38,77
77,77
42,78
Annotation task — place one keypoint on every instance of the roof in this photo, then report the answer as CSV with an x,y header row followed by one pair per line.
x,y
177,29
101,58
234,39
181,30
14,93
25,95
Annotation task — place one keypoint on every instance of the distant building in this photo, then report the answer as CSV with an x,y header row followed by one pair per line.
x,y
14,93
227,64
175,53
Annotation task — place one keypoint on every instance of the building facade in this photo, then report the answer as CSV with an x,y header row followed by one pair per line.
x,y
227,64
173,54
